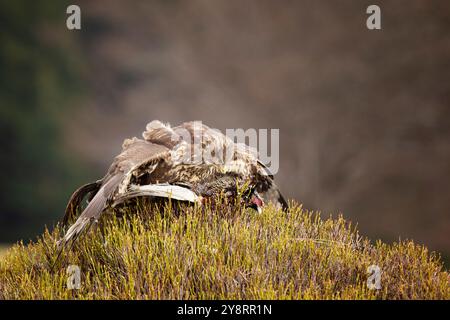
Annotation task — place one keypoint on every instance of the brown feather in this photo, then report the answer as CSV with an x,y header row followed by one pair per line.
x,y
74,204
134,154
159,159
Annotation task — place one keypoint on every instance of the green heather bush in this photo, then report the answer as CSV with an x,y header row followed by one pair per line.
x,y
152,253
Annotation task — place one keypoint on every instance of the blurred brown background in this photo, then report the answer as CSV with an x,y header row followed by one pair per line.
x,y
364,116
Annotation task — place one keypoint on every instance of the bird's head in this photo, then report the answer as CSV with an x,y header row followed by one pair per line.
x,y
231,189
252,199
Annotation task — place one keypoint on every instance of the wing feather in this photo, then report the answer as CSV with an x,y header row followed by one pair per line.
x,y
135,153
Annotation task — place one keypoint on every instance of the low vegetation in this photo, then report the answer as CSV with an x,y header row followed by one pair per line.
x,y
153,253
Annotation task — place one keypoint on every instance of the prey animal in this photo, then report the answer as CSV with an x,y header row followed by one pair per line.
x,y
190,162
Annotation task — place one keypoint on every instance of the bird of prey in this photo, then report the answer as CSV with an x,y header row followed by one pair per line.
x,y
184,163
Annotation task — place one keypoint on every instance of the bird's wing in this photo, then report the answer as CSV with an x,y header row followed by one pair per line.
x,y
77,197
93,210
135,153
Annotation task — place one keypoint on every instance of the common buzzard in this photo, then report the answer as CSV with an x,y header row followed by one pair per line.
x,y
190,162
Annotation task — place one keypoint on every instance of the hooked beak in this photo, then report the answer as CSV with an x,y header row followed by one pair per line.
x,y
259,209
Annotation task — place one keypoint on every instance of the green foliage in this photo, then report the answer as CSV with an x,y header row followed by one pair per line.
x,y
39,75
222,254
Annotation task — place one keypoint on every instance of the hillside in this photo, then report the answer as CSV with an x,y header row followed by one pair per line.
x,y
222,254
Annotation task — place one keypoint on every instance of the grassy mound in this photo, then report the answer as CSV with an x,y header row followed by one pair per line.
x,y
222,254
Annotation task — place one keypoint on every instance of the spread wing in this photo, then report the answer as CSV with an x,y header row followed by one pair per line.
x,y
135,153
